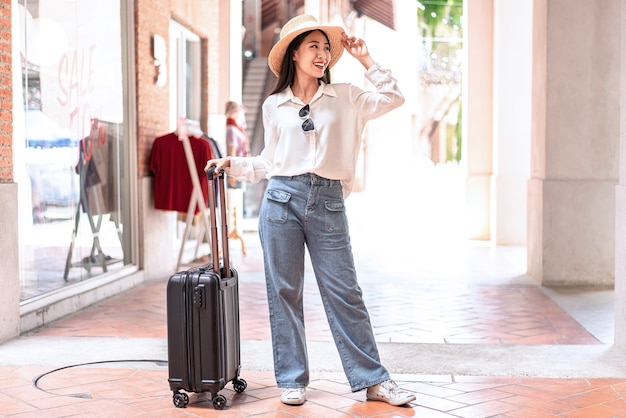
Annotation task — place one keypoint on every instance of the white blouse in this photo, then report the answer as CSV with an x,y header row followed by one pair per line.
x,y
339,113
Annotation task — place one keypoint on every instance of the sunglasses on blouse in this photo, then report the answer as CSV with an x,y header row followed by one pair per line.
x,y
307,125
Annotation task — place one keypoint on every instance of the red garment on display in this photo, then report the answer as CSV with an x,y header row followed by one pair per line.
x,y
172,182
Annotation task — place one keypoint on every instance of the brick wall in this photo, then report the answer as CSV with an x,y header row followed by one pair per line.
x,y
153,17
6,94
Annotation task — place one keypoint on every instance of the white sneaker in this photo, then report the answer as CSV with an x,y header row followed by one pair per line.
x,y
388,391
293,396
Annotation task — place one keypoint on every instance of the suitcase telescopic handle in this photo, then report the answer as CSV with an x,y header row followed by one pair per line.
x,y
210,172
216,184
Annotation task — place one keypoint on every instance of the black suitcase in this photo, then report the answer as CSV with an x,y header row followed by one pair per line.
x,y
203,341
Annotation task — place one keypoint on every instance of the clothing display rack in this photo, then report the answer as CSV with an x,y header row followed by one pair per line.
x,y
96,194
185,126
97,257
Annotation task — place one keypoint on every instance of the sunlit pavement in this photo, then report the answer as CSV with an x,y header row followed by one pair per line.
x,y
457,322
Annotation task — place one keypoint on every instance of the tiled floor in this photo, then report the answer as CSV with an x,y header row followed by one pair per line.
x,y
480,301
480,314
125,390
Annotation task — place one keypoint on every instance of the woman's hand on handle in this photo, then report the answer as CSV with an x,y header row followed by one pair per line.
x,y
219,163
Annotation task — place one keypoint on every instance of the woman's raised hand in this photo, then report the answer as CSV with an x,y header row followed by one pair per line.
x,y
358,49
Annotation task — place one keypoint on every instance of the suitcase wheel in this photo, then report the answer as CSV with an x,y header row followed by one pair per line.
x,y
219,402
239,385
180,400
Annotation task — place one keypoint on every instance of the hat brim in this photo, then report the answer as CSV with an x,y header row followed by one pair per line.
x,y
334,34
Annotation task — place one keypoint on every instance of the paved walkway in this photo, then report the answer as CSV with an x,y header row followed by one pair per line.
x,y
457,323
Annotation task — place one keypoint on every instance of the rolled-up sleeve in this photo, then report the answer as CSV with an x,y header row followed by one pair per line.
x,y
385,98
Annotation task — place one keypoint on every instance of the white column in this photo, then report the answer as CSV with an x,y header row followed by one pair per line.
x,y
511,128
534,242
620,204
478,115
575,147
10,281
235,50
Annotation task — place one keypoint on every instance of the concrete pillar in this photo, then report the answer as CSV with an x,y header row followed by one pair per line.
x,y
478,115
158,254
575,142
223,87
10,279
511,128
620,205
235,51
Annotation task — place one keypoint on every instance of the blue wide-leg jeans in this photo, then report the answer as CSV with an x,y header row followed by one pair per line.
x,y
308,210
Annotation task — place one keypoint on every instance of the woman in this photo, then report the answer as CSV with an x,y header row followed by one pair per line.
x,y
236,138
237,143
312,140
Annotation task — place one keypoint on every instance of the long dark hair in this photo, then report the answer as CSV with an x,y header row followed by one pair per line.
x,y
288,67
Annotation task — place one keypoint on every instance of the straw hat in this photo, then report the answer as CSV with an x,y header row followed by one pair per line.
x,y
295,27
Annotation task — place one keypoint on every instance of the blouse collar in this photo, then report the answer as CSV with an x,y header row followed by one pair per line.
x,y
287,95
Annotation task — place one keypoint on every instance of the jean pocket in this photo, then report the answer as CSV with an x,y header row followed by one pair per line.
x,y
276,205
335,217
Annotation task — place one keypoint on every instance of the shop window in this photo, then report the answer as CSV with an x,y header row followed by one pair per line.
x,y
69,143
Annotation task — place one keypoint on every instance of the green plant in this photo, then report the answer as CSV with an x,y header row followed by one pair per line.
x,y
440,14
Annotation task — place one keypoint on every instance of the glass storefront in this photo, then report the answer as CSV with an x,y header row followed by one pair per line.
x,y
71,143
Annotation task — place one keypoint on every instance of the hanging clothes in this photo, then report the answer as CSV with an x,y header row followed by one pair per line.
x,y
172,182
98,167
214,146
